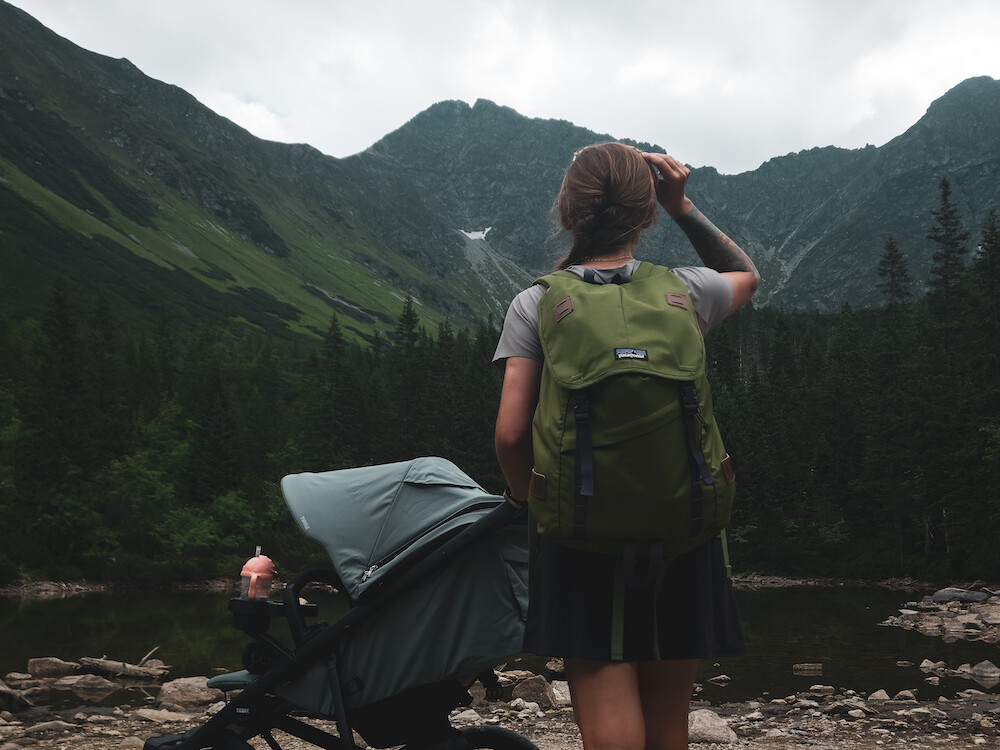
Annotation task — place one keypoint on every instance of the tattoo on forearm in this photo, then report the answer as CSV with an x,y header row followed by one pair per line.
x,y
713,246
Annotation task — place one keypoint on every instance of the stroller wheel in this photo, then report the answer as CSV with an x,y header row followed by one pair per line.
x,y
496,738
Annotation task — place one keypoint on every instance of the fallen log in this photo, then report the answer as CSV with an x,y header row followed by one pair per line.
x,y
114,668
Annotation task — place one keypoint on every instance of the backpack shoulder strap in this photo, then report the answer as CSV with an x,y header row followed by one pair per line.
x,y
548,278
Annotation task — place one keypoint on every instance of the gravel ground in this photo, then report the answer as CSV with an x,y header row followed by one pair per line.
x,y
970,722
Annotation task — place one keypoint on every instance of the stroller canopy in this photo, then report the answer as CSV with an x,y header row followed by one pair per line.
x,y
373,519
377,520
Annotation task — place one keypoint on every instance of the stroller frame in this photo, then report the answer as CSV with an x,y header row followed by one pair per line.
x,y
256,710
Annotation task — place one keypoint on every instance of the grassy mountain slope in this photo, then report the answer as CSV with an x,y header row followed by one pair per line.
x,y
126,168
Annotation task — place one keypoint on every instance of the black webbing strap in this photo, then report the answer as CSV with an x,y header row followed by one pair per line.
x,y
700,473
584,462
689,403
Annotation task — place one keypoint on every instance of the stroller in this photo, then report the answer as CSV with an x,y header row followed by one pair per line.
x,y
434,570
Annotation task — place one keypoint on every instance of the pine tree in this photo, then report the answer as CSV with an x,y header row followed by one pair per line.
x,y
949,258
895,279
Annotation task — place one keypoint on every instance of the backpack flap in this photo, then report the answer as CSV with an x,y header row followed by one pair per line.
x,y
611,329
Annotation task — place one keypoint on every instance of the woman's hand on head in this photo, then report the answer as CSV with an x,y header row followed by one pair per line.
x,y
671,184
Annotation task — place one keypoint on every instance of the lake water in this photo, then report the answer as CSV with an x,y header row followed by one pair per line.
x,y
836,627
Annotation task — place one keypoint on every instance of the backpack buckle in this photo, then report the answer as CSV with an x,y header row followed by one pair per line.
x,y
689,399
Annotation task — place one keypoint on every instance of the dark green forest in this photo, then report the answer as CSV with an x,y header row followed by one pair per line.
x,y
867,443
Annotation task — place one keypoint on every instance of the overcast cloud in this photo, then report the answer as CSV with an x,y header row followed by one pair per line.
x,y
726,83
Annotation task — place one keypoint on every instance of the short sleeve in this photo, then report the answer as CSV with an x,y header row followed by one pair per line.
x,y
519,337
711,295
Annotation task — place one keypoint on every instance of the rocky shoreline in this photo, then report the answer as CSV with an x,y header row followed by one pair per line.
x,y
819,718
822,717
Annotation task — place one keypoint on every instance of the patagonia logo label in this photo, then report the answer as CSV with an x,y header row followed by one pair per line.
x,y
631,354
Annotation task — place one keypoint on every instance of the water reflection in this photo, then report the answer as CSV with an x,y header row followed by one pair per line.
x,y
835,628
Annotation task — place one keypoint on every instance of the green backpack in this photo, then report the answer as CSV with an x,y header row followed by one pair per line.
x,y
627,452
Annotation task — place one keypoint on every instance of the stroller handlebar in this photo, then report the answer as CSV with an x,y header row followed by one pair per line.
x,y
293,609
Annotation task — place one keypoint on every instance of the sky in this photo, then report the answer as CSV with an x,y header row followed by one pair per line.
x,y
722,83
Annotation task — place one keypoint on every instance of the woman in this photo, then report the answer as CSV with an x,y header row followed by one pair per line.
x,y
608,196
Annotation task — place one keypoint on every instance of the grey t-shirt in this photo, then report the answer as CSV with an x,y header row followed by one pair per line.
x,y
711,296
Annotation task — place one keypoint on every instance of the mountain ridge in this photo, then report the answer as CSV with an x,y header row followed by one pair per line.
x,y
452,208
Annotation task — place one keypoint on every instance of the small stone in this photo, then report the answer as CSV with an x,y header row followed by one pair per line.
x,y
879,696
556,666
856,713
822,690
468,716
560,688
160,716
904,695
807,668
132,743
100,719
513,676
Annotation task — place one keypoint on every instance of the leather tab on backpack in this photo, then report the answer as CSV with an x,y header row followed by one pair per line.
x,y
727,469
536,487
677,300
562,308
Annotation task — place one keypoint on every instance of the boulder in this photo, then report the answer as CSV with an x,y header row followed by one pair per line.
x,y
50,666
50,727
12,700
188,692
953,594
986,669
160,716
84,682
706,726
535,690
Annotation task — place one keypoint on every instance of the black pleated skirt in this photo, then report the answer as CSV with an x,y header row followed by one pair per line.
x,y
688,613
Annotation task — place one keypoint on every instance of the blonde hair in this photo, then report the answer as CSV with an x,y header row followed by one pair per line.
x,y
608,196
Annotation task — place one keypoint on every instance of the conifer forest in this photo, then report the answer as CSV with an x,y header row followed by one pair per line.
x,y
866,443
